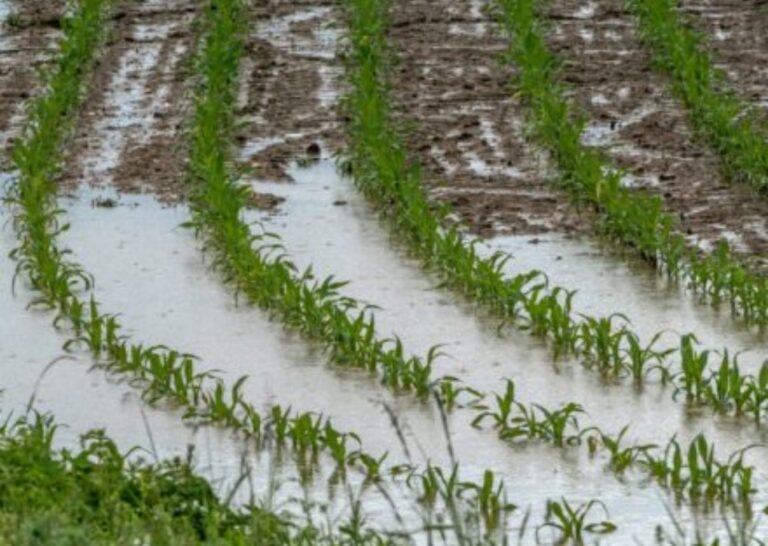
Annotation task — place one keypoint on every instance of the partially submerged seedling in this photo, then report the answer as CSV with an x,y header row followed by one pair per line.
x,y
572,523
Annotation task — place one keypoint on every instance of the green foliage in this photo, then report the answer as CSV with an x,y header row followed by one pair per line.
x,y
100,496
631,218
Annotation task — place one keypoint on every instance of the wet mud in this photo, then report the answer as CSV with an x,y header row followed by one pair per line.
x,y
464,123
734,31
130,133
644,129
28,30
289,88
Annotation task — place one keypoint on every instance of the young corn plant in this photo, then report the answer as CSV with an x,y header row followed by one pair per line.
x,y
572,523
727,122
630,218
254,263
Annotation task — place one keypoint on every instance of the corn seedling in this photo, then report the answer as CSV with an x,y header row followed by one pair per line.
x,y
572,523
634,219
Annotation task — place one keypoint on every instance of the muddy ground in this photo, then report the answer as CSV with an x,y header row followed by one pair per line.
x,y
29,30
291,83
130,133
645,130
736,32
465,124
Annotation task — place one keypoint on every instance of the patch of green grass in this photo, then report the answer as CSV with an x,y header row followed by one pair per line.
x,y
98,495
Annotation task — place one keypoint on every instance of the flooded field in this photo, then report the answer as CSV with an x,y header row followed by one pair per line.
x,y
370,283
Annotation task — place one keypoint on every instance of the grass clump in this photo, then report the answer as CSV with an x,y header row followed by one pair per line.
x,y
97,495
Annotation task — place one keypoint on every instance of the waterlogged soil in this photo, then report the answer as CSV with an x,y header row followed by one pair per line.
x,y
644,129
734,31
27,33
184,305
464,123
289,91
130,133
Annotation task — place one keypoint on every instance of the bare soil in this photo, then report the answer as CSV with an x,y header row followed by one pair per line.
x,y
24,46
465,124
736,32
131,132
291,83
645,130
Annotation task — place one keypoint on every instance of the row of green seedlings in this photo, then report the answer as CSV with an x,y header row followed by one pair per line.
x,y
162,373
255,263
378,160
694,471
727,122
631,218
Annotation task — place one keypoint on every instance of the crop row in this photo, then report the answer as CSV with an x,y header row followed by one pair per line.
x,y
255,263
162,373
385,173
726,121
632,218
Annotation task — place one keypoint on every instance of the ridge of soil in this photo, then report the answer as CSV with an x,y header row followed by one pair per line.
x,y
645,131
145,104
466,126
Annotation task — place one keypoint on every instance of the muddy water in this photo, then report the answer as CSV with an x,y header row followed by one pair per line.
x,y
136,248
